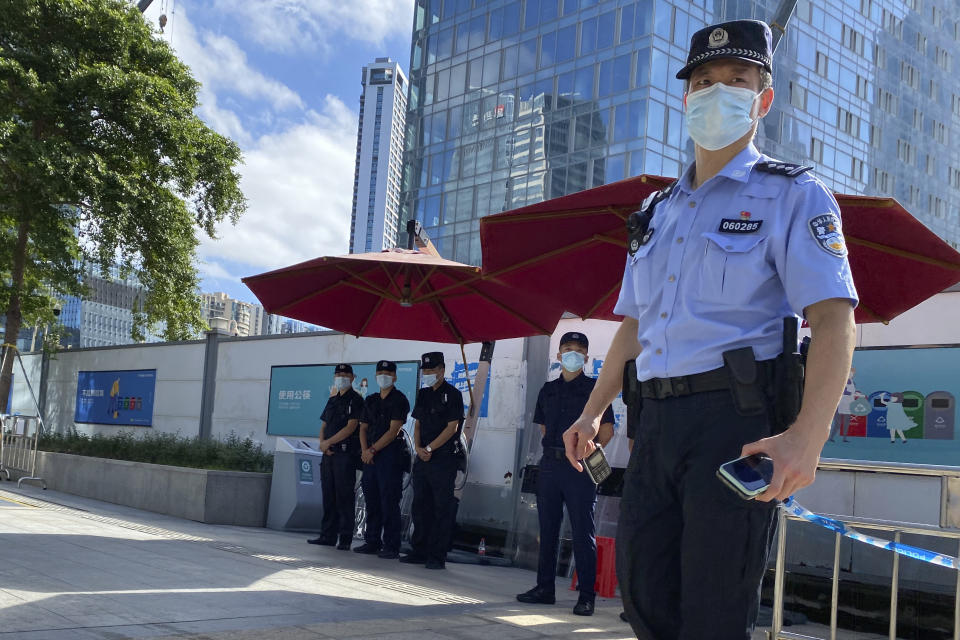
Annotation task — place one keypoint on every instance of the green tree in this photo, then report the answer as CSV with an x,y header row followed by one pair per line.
x,y
102,162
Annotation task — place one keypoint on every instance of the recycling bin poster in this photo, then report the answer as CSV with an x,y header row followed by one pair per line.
x,y
116,397
903,409
298,393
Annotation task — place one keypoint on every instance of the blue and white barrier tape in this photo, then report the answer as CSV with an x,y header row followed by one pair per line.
x,y
792,507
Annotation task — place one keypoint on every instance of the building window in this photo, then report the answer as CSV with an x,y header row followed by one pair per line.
x,y
853,40
847,122
893,24
917,119
909,74
798,96
921,43
822,64
862,87
879,56
856,169
887,101
905,152
882,181
940,132
875,136
943,59
865,7
816,150
955,178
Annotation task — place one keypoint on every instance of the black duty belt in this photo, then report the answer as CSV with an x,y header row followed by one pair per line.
x,y
555,452
715,380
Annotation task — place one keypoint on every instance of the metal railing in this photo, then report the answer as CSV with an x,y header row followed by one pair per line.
x,y
897,528
18,447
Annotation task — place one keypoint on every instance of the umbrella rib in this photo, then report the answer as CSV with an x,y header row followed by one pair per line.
x,y
609,240
506,309
903,254
393,283
361,277
446,317
540,258
603,299
303,298
373,312
873,313
433,293
617,210
423,281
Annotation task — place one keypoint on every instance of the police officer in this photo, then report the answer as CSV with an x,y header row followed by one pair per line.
x,y
560,402
338,468
714,265
438,411
384,460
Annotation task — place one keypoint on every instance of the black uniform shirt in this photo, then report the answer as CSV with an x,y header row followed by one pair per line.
x,y
339,411
435,409
560,403
379,412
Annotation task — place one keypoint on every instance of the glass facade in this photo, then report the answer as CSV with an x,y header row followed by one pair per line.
x,y
512,102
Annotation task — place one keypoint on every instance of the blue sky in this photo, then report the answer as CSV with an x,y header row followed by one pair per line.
x,y
282,78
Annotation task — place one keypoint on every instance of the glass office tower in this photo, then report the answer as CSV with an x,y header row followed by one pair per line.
x,y
515,101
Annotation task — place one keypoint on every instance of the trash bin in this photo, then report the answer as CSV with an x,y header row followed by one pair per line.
x,y
296,502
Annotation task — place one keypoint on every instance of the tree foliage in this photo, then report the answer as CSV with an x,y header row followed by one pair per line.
x,y
103,163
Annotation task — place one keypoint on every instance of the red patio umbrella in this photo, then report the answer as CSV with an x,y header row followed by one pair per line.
x,y
403,294
574,248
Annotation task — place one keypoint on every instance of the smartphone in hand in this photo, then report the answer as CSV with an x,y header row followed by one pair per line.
x,y
749,476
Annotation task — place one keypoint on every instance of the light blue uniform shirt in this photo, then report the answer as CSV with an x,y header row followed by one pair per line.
x,y
711,279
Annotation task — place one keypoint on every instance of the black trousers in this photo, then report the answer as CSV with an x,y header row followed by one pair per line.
x,y
338,477
382,489
433,505
691,553
560,484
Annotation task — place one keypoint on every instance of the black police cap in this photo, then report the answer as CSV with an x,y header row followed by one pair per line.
x,y
344,368
575,336
387,365
431,360
748,40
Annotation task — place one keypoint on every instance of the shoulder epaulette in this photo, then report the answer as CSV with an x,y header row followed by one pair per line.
x,y
782,168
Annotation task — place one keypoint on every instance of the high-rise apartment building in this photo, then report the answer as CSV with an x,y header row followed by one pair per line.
x,y
515,101
103,317
375,218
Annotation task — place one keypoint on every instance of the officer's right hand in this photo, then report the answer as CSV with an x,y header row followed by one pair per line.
x,y
578,440
423,454
367,456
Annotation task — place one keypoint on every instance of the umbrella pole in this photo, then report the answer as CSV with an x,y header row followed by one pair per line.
x,y
483,370
466,374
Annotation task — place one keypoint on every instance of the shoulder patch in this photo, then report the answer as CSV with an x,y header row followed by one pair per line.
x,y
826,231
782,168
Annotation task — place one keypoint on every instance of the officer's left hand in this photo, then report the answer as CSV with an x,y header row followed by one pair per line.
x,y
367,457
424,454
578,440
795,457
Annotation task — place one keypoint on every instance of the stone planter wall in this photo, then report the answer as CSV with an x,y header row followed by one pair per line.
x,y
214,497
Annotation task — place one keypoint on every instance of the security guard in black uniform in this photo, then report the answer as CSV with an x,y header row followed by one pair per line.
x,y
439,417
384,460
338,468
560,402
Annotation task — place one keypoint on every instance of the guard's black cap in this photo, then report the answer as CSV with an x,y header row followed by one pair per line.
x,y
431,360
343,368
386,365
575,336
748,40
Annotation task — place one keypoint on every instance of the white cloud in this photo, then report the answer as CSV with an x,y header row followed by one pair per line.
x,y
299,184
290,25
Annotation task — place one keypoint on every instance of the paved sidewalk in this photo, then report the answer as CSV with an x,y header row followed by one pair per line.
x,y
72,568
78,569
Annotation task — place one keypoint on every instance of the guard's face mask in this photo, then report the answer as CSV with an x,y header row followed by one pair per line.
x,y
429,379
341,383
384,381
719,115
573,361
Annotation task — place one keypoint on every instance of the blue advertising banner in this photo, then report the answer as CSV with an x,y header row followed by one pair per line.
x,y
458,379
902,407
116,397
299,393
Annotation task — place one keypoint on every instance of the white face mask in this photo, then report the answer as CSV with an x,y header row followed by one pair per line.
x,y
429,379
720,115
573,361
385,381
341,383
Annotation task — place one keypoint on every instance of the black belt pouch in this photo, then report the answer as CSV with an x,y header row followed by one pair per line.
x,y
745,384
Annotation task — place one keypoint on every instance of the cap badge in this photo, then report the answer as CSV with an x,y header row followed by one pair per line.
x,y
718,38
